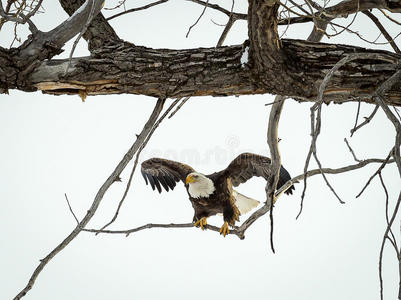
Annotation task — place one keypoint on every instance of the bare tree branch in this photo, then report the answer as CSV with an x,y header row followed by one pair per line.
x,y
385,237
138,153
347,26
378,96
183,101
291,68
317,107
392,237
69,206
367,121
272,141
19,17
227,28
351,150
83,30
383,31
376,173
240,231
356,33
151,225
99,31
98,198
136,9
237,16
68,29
389,17
379,99
197,20
310,173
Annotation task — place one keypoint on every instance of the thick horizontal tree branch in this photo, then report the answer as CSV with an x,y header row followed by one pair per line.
x,y
125,68
17,63
288,67
342,10
345,8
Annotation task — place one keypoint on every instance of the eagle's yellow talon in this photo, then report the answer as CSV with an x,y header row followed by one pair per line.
x,y
224,230
202,222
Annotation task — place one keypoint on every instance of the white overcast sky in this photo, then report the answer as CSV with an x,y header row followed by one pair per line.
x,y
51,145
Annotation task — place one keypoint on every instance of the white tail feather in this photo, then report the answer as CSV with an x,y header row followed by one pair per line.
x,y
244,203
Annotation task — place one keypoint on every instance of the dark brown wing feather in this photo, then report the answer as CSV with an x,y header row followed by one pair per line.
x,y
247,165
164,173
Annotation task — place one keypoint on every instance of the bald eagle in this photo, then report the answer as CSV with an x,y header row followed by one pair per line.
x,y
214,193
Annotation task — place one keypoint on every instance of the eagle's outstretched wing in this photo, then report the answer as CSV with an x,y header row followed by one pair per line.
x,y
164,172
247,165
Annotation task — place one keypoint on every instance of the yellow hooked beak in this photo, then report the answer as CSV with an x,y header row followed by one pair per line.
x,y
190,179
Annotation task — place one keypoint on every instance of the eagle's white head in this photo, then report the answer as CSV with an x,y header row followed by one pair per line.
x,y
199,185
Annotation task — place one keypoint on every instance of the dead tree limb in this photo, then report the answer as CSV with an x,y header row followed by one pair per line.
x,y
98,198
240,231
143,145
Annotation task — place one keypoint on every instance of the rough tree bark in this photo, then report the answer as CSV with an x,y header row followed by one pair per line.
x,y
293,68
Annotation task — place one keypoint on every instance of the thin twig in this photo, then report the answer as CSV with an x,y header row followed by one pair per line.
x,y
33,11
383,31
389,17
367,121
275,101
376,173
392,239
378,97
295,13
143,145
196,22
357,116
351,150
360,36
89,20
136,9
231,20
228,13
227,28
315,128
300,7
397,112
179,107
385,236
346,28
69,206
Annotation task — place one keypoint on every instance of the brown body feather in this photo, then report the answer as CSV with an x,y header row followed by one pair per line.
x,y
165,173
221,201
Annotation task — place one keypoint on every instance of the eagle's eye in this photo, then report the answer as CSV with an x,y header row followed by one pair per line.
x,y
195,176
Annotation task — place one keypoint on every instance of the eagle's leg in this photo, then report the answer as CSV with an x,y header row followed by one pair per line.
x,y
202,222
224,230
230,215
